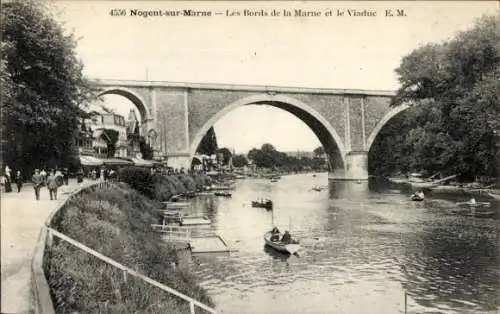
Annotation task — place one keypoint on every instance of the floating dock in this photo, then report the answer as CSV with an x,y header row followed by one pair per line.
x,y
193,221
176,205
209,244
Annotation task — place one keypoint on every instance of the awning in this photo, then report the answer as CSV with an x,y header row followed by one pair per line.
x,y
142,162
90,161
116,162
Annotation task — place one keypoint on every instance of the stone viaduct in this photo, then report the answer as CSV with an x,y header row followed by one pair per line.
x,y
176,116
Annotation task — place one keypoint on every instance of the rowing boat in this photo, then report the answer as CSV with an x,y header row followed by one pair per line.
x,y
290,248
494,195
267,204
476,204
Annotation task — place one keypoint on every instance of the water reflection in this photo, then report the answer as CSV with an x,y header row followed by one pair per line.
x,y
452,266
364,245
277,255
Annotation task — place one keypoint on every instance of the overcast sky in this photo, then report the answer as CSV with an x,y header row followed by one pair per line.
x,y
330,52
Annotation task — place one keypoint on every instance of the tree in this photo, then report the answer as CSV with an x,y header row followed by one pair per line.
x,y
224,155
43,88
112,136
454,89
146,149
239,161
208,144
319,152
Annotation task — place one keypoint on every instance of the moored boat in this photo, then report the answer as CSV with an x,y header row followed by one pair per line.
x,y
264,203
224,194
494,195
290,248
417,197
473,203
474,213
397,180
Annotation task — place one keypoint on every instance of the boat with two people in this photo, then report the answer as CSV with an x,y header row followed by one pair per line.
x,y
263,203
282,242
418,196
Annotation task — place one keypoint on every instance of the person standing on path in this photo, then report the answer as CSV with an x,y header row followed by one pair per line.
x,y
52,185
44,176
8,180
37,180
19,181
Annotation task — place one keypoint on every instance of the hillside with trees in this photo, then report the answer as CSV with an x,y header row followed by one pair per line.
x,y
453,89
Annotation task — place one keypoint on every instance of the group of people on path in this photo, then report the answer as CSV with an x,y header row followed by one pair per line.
x,y
7,180
53,180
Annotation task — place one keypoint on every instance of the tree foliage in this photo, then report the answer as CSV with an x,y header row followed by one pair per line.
x,y
240,161
319,151
223,155
42,88
112,136
208,144
268,157
454,90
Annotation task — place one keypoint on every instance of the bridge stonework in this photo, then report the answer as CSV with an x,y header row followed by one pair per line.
x,y
179,114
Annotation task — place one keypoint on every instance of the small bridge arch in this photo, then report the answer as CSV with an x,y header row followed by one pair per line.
x,y
134,97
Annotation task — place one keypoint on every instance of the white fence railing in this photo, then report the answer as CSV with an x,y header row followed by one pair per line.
x,y
40,287
129,271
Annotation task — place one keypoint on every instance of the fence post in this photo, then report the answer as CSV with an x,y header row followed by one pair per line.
x,y
125,275
191,307
405,302
50,238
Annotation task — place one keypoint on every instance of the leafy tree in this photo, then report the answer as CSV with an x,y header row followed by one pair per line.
x,y
208,144
112,136
42,87
224,154
146,149
240,161
454,89
319,151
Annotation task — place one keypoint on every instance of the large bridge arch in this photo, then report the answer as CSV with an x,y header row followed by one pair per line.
x,y
387,117
325,132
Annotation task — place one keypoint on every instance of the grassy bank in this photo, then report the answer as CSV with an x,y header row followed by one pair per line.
x,y
115,221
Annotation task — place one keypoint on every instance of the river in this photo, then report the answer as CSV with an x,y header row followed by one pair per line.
x,y
364,245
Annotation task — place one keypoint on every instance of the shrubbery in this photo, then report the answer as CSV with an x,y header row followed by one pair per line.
x,y
139,179
161,187
116,222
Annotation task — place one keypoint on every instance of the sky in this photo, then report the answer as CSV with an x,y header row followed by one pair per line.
x,y
325,52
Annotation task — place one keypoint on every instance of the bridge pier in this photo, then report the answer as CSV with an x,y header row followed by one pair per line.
x,y
178,161
356,167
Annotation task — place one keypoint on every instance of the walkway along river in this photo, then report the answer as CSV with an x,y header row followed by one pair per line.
x,y
363,248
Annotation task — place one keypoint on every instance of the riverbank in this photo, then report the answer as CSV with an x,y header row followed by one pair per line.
x,y
115,221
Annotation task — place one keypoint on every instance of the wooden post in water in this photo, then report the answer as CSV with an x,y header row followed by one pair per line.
x,y
406,303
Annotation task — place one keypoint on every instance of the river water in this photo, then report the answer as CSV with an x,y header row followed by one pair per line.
x,y
364,245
